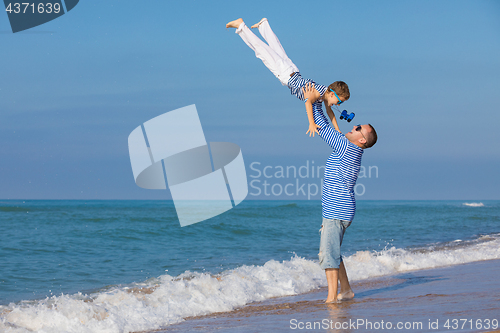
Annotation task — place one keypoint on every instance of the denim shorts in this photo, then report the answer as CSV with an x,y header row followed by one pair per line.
x,y
332,233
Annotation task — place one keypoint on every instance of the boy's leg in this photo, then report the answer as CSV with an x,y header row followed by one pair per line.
x,y
273,41
262,51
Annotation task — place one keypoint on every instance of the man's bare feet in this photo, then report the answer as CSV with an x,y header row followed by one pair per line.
x,y
346,295
256,25
332,301
235,23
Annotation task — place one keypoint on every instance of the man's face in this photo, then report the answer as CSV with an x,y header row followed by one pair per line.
x,y
358,134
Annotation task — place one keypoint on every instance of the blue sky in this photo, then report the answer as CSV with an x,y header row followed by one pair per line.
x,y
426,74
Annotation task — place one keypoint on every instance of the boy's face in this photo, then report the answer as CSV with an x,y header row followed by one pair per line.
x,y
332,100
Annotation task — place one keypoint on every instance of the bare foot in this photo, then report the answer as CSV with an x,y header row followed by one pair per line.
x,y
235,23
330,301
256,25
346,295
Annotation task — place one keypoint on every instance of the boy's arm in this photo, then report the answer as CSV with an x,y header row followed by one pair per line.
x,y
310,99
331,115
334,138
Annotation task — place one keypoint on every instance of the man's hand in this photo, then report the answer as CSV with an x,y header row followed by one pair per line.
x,y
308,90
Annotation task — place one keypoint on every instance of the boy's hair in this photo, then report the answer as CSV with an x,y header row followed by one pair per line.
x,y
341,89
371,137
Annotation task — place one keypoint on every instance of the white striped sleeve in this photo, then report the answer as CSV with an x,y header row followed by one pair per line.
x,y
331,136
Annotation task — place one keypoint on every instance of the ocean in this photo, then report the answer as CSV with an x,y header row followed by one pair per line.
x,y
128,266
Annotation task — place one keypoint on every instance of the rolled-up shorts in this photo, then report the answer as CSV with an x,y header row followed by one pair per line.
x,y
332,232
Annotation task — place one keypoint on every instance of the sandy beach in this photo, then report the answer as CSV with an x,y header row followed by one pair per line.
x,y
461,298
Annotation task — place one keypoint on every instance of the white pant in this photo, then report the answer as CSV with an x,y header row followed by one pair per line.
x,y
272,55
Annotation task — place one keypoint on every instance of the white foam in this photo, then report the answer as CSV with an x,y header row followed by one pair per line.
x,y
170,299
473,204
366,264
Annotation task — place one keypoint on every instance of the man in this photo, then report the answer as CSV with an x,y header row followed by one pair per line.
x,y
338,202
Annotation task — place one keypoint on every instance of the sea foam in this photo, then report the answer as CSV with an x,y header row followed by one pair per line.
x,y
473,204
159,302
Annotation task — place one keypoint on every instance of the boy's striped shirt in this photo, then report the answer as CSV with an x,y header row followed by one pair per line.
x,y
296,82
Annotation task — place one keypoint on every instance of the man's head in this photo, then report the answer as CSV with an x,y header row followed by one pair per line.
x,y
363,136
337,91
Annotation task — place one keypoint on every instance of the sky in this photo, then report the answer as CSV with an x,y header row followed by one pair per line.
x,y
425,74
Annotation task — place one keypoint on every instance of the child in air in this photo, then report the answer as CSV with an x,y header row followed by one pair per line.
x,y
274,57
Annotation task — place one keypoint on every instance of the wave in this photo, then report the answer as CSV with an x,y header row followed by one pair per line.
x,y
291,205
473,204
366,264
13,209
162,301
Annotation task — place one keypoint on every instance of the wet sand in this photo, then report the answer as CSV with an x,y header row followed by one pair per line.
x,y
461,298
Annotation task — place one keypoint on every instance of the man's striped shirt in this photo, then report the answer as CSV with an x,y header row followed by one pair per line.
x,y
341,170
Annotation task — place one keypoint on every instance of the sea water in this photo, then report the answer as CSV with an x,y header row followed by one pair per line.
x,y
124,266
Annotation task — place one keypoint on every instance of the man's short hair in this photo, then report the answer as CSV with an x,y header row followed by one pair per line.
x,y
371,137
341,89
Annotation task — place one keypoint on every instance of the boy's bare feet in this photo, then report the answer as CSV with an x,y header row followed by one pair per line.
x,y
256,25
346,295
235,23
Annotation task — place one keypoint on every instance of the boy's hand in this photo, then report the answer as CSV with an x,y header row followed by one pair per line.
x,y
313,128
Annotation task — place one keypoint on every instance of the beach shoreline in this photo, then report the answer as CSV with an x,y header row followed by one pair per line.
x,y
433,300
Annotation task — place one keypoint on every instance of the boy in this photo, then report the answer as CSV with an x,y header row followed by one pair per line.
x,y
275,58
